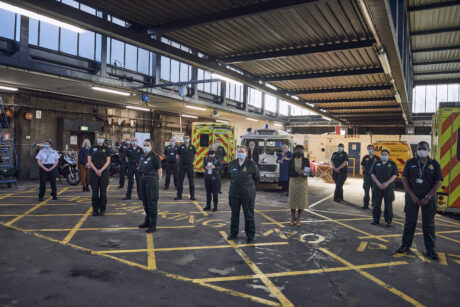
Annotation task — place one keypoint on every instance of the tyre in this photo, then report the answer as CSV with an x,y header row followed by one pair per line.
x,y
73,176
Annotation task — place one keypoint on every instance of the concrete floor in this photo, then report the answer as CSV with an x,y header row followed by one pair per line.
x,y
54,253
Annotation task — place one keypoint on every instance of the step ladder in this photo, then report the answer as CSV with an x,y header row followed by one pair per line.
x,y
8,155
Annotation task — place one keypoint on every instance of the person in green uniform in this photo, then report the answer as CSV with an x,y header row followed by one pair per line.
x,y
133,154
122,150
150,173
171,166
366,163
186,155
99,162
220,154
421,178
383,174
339,171
244,175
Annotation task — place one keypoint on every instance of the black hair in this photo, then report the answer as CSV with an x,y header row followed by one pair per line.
x,y
370,145
386,150
148,140
423,143
340,144
298,147
49,141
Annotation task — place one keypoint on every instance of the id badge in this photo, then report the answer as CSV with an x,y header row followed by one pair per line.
x,y
419,180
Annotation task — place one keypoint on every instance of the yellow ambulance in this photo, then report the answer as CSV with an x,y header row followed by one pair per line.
x,y
444,139
400,152
204,134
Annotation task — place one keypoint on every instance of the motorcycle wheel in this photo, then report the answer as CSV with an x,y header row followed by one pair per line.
x,y
73,177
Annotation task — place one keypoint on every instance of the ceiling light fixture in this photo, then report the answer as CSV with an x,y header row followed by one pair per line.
x,y
222,121
107,90
189,116
254,120
8,88
277,125
223,78
271,86
40,17
195,108
295,97
138,108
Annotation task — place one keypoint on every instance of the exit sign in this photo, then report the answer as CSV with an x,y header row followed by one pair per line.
x,y
84,128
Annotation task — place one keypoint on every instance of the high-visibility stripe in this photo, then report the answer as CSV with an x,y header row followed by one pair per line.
x,y
448,145
446,124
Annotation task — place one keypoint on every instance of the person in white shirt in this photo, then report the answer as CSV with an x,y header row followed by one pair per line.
x,y
47,160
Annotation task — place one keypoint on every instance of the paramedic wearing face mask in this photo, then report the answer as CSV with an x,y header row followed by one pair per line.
x,y
383,174
421,178
133,154
122,151
171,166
366,163
99,162
244,175
339,161
47,160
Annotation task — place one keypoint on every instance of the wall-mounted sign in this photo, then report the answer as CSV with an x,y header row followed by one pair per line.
x,y
38,114
73,140
83,128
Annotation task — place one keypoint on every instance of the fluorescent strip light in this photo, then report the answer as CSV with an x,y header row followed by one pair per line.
x,y
295,97
277,125
107,90
254,120
40,17
398,98
189,116
195,108
138,108
384,61
309,104
220,77
327,118
271,86
7,88
222,121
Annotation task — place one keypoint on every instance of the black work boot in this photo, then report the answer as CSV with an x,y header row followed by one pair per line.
x,y
143,225
403,249
151,229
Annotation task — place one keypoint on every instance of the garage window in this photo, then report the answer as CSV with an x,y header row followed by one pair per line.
x,y
204,140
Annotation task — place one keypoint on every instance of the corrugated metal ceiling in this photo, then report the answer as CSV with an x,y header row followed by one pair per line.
x,y
315,23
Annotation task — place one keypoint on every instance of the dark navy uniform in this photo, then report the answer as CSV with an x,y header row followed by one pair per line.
x,y
212,179
187,155
148,166
221,154
242,193
383,172
133,154
339,178
367,183
99,155
171,166
122,150
421,177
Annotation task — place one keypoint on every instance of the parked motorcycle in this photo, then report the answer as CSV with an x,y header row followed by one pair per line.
x,y
68,168
115,163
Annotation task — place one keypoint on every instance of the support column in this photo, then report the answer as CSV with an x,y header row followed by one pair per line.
x,y
24,39
104,46
245,97
262,107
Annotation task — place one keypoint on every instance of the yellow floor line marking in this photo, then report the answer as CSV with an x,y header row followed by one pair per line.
x,y
191,219
6,196
267,282
306,272
447,220
373,278
33,208
152,264
440,236
362,246
348,226
442,258
419,255
416,233
199,208
107,228
269,218
317,221
168,249
338,212
58,214
320,201
77,226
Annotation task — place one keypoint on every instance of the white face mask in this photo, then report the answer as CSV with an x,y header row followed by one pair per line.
x,y
100,141
422,153
340,149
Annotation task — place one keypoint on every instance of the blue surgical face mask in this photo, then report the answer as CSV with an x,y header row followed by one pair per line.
x,y
384,158
241,155
128,142
370,151
86,145
173,143
147,149
340,149
217,145
251,146
134,143
46,146
284,149
422,153
186,141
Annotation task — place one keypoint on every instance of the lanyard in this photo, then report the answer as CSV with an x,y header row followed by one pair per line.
x,y
421,168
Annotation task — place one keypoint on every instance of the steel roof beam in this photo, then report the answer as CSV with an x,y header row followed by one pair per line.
x,y
391,114
432,6
435,82
395,106
445,72
239,12
265,55
452,61
443,48
369,99
340,90
435,31
327,74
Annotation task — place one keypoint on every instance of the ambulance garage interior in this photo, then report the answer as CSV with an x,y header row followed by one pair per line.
x,y
229,153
